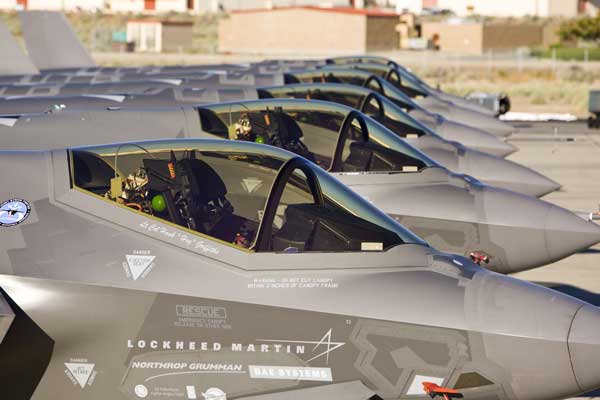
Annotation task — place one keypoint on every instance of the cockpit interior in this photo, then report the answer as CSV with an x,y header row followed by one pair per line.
x,y
249,200
337,142
371,103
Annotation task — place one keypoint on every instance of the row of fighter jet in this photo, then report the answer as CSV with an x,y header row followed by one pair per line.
x,y
274,230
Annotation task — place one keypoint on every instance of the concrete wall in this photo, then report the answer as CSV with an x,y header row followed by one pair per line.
x,y
138,5
171,5
176,37
166,5
289,31
382,34
479,38
126,5
512,8
464,38
562,8
230,5
507,37
550,33
147,36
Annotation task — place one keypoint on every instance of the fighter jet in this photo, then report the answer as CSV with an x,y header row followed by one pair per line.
x,y
89,80
402,78
375,105
68,56
217,269
414,88
487,168
15,62
40,25
64,59
392,72
506,231
492,170
188,90
364,78
405,75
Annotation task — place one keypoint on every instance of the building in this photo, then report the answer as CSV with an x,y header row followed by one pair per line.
x,y
153,6
235,5
53,5
308,30
477,37
154,35
504,8
157,6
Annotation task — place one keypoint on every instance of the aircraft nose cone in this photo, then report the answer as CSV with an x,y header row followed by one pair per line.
x,y
505,149
584,347
481,121
567,233
474,138
497,127
526,329
515,239
507,174
526,232
464,103
495,147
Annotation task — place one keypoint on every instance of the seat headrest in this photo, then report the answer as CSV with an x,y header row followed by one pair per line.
x,y
91,172
289,128
206,183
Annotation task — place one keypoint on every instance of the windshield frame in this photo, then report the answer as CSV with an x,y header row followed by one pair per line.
x,y
377,132
391,109
331,189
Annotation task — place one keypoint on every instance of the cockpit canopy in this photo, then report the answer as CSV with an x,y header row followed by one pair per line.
x,y
352,76
249,196
393,74
360,59
368,101
336,137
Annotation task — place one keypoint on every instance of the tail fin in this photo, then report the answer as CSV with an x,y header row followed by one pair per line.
x,y
25,351
13,60
51,42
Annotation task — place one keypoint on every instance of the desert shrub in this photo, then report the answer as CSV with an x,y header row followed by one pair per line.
x,y
584,28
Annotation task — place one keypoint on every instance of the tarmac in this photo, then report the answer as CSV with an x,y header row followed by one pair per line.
x,y
569,153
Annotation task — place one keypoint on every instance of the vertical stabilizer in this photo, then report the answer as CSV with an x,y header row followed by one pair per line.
x,y
51,42
13,60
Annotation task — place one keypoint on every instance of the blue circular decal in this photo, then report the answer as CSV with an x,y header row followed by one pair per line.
x,y
13,212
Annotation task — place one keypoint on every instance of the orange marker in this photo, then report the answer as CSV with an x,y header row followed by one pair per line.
x,y
434,390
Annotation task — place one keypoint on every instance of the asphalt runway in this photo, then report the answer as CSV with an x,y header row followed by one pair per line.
x,y
569,153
